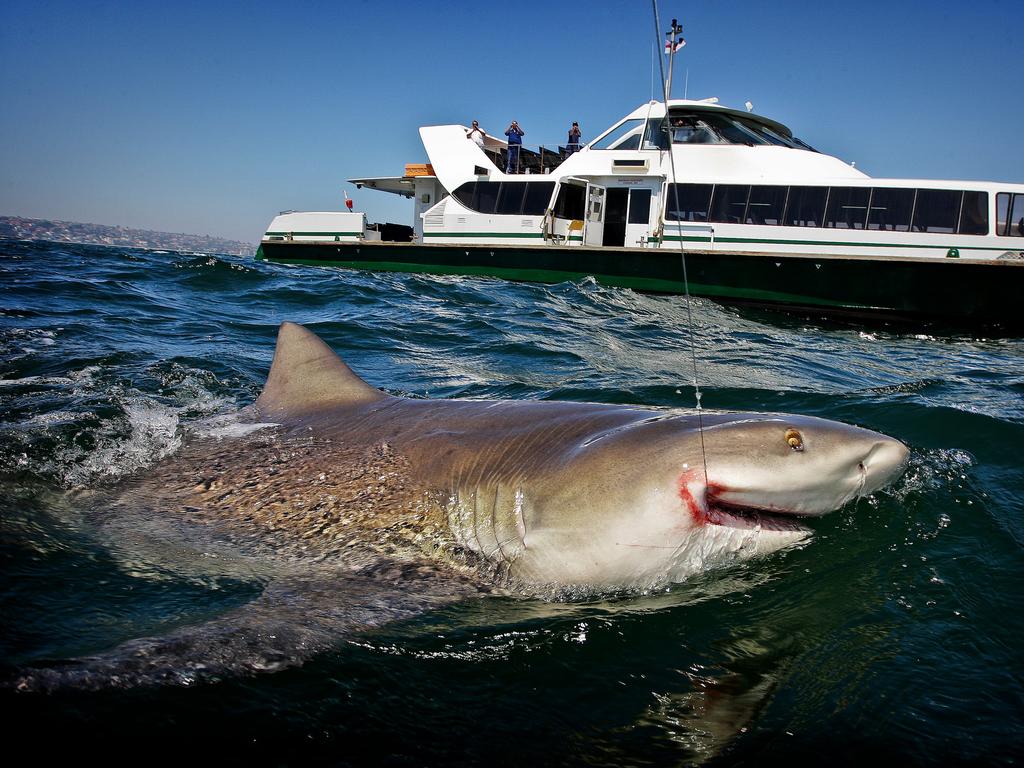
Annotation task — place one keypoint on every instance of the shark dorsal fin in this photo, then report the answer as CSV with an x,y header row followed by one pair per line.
x,y
307,375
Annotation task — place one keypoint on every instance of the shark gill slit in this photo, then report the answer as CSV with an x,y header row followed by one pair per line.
x,y
494,526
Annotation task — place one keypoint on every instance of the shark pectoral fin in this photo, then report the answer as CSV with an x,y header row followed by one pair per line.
x,y
295,618
307,375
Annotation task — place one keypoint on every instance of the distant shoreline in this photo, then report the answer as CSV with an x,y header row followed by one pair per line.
x,y
21,228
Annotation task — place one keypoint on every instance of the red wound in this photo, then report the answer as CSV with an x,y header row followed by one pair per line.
x,y
697,512
702,514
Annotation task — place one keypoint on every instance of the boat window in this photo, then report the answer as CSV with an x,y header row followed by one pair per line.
x,y
656,136
729,203
466,194
1002,212
766,205
688,202
1015,226
624,136
711,127
538,195
486,197
937,210
639,206
806,207
510,197
731,130
890,209
767,133
571,202
974,214
693,130
529,198
847,207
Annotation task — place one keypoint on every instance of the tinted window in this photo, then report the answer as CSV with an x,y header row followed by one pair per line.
x,y
729,203
688,202
937,210
692,130
767,133
465,194
486,197
890,209
766,205
510,197
1016,223
731,131
625,136
639,206
657,134
571,202
806,206
1002,212
847,207
538,194
974,214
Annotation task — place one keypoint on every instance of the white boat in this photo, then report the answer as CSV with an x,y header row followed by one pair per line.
x,y
761,217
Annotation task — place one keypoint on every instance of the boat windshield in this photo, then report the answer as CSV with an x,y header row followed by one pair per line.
x,y
713,128
623,136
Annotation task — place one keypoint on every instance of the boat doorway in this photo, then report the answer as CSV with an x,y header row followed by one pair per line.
x,y
615,216
593,233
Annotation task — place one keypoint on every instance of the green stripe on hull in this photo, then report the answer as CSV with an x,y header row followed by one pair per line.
x,y
518,235
841,243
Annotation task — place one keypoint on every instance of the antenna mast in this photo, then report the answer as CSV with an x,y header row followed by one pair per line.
x,y
673,42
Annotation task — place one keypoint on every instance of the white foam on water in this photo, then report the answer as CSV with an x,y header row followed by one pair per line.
x,y
143,429
153,433
228,425
55,417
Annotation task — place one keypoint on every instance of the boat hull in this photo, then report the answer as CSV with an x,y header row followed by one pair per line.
x,y
961,291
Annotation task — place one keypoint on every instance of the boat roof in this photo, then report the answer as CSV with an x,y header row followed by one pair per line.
x,y
657,109
396,185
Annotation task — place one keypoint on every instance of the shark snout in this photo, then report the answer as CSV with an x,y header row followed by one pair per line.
x,y
884,462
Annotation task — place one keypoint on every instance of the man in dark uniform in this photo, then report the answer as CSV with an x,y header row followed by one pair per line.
x,y
515,140
574,139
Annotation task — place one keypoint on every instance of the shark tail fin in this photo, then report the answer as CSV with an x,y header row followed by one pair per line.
x,y
307,375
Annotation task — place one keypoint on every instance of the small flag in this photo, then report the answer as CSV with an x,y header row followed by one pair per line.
x,y
671,47
679,44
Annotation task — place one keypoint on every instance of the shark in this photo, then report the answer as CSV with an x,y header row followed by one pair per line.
x,y
354,508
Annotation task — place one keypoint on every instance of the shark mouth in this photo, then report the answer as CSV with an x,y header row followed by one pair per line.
x,y
711,510
749,518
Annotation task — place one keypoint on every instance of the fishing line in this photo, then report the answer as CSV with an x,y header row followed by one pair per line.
x,y
682,251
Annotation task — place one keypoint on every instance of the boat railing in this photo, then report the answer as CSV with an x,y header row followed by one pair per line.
x,y
685,228
518,158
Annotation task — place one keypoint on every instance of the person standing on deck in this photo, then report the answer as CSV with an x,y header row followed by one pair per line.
x,y
515,139
574,139
476,134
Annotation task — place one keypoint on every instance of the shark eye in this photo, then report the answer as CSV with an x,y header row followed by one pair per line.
x,y
794,440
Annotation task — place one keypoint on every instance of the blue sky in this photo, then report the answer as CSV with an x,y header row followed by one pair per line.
x,y
209,117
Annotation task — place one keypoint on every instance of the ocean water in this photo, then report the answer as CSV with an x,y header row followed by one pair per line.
x,y
895,634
